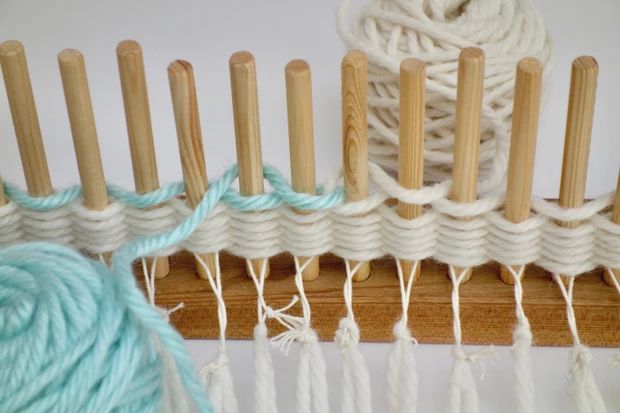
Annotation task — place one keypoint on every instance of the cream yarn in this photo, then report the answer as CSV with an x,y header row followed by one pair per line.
x,y
435,31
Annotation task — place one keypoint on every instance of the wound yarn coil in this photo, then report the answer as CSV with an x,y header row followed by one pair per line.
x,y
435,31
77,336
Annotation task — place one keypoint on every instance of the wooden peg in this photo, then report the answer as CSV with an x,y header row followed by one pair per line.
x,y
25,119
467,129
615,218
355,135
411,140
525,113
186,116
301,141
83,130
3,199
581,100
139,129
247,130
578,133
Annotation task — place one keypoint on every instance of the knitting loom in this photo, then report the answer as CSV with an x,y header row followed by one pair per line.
x,y
486,303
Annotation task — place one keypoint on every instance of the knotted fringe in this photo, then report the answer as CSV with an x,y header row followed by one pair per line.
x,y
355,378
463,394
311,393
521,350
216,375
264,378
583,387
402,376
219,383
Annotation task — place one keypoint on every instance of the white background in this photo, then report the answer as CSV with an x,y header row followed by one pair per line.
x,y
206,33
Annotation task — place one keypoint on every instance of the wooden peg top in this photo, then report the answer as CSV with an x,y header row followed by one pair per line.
x,y
355,124
11,48
189,131
581,100
128,47
523,139
83,130
247,124
467,129
25,119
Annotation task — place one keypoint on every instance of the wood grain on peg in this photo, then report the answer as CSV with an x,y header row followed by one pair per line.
x,y
185,105
581,98
25,119
615,218
83,129
467,129
139,129
301,141
411,140
525,113
244,91
355,135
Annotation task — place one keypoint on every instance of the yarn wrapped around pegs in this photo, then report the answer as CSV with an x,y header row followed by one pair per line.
x,y
435,31
76,336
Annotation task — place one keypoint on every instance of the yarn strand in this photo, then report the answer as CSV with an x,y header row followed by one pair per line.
x,y
583,387
402,376
356,391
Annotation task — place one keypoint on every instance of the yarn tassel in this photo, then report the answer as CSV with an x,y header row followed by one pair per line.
x,y
265,390
216,375
355,377
311,393
521,349
219,383
402,377
463,395
583,387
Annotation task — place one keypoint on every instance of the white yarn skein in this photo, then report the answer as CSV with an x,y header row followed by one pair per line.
x,y
356,391
435,31
521,349
583,387
265,390
402,376
463,395
216,375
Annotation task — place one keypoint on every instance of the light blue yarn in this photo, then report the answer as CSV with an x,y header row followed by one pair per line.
x,y
77,336
282,194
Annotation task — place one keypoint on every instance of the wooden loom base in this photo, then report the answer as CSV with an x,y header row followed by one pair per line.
x,y
487,304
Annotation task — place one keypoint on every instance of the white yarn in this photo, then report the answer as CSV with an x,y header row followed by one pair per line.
x,y
216,375
583,387
356,391
521,349
264,378
342,231
435,32
463,394
402,376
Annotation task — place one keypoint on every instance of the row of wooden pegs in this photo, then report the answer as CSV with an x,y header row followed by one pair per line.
x,y
301,136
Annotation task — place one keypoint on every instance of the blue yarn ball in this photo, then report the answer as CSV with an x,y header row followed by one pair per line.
x,y
76,336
